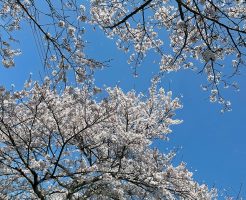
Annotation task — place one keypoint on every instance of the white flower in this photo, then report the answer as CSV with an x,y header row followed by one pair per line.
x,y
71,31
82,8
61,24
8,63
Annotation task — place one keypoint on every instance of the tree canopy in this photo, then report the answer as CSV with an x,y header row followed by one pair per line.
x,y
58,141
205,36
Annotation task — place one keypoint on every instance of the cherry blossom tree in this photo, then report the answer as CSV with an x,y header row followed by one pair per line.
x,y
210,32
203,35
66,145
58,33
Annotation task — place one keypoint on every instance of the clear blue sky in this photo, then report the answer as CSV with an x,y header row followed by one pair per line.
x,y
213,144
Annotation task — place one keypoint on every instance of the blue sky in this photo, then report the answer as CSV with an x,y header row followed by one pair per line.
x,y
213,144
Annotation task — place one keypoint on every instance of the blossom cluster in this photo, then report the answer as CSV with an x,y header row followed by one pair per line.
x,y
60,43
70,146
203,31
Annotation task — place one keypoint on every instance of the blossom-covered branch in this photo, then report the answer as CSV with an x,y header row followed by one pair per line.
x,y
210,32
67,146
